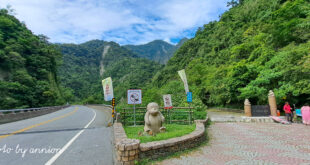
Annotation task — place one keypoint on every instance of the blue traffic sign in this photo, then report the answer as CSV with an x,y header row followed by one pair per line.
x,y
189,96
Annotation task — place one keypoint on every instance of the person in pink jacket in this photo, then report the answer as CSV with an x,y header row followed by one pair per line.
x,y
305,112
288,112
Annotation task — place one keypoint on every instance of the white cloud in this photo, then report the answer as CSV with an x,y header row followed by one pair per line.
x,y
122,21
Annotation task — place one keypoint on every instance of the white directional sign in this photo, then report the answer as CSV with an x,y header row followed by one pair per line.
x,y
167,101
134,96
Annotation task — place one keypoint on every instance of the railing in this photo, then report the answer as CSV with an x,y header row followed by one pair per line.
x,y
183,115
30,109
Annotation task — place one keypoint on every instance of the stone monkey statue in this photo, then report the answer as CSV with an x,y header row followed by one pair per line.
x,y
153,119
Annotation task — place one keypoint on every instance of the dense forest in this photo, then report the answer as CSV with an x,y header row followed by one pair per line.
x,y
256,46
158,50
85,65
28,67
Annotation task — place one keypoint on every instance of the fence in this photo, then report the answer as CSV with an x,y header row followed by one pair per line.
x,y
180,115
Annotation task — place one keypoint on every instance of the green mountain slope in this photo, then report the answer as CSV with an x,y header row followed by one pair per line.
x,y
28,65
256,46
158,50
85,65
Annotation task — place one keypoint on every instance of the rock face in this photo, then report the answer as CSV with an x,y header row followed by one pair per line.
x,y
153,119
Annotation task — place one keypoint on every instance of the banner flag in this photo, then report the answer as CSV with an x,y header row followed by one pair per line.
x,y
183,77
107,89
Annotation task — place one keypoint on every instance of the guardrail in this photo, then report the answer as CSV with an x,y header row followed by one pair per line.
x,y
30,109
11,115
110,106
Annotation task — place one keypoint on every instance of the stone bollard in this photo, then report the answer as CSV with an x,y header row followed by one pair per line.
x,y
272,103
118,118
128,151
247,108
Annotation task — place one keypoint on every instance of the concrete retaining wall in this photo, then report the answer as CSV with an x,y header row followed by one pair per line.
x,y
130,150
21,115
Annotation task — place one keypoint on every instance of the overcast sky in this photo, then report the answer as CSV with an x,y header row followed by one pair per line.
x,y
122,21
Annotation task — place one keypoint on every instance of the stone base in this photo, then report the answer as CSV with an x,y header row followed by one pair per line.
x,y
245,119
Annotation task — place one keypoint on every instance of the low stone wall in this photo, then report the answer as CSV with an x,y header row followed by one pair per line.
x,y
21,115
129,150
154,150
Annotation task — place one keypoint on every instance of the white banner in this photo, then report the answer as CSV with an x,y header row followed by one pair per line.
x,y
107,89
167,101
134,96
184,79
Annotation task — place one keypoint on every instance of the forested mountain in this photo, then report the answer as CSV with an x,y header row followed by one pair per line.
x,y
28,66
158,50
256,46
85,65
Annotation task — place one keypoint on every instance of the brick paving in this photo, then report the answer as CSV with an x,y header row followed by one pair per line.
x,y
251,143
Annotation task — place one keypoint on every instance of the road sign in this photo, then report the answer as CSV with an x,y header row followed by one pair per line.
x,y
189,96
134,96
167,101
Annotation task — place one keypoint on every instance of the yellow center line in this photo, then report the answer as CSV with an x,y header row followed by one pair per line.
x,y
36,125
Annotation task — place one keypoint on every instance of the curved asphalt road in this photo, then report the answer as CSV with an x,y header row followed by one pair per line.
x,y
80,134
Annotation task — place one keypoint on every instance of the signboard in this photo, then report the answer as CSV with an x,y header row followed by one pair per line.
x,y
184,79
260,110
107,89
134,96
189,97
167,101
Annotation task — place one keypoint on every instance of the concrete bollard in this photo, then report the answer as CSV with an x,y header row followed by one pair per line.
x,y
247,108
118,118
272,103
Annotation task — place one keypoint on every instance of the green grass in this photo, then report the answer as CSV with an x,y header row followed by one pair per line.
x,y
172,130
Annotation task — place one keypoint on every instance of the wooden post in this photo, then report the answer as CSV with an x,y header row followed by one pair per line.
x,y
247,108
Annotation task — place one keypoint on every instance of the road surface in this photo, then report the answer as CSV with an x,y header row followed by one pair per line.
x,y
75,135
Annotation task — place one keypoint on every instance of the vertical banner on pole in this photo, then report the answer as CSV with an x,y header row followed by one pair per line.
x,y
184,79
107,89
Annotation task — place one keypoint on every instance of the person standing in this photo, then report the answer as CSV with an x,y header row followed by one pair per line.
x,y
288,112
305,112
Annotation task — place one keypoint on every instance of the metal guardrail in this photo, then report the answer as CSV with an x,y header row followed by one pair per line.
x,y
29,109
110,106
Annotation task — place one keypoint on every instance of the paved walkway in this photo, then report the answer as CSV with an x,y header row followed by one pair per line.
x,y
251,143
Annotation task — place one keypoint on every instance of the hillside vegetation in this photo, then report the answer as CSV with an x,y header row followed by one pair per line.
x,y
256,46
85,65
158,50
28,66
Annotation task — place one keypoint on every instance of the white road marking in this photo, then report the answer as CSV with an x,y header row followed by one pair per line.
x,y
54,158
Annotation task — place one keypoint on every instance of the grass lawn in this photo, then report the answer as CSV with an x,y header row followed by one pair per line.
x,y
172,130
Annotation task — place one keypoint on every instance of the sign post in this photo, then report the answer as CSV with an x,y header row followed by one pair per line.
x,y
134,96
189,98
113,109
